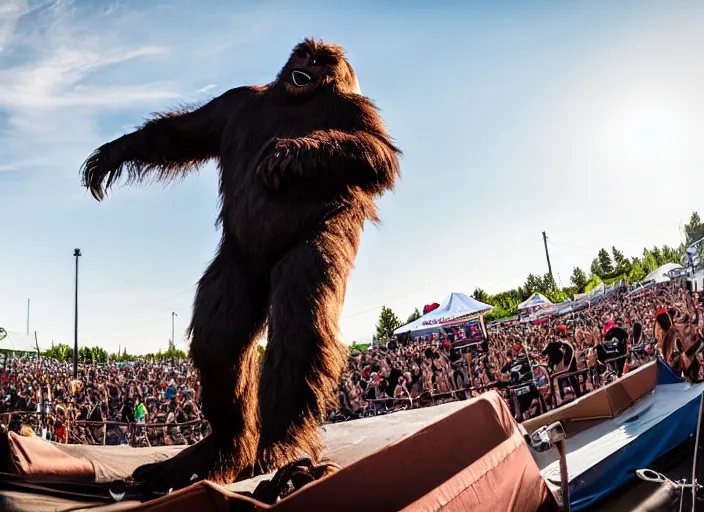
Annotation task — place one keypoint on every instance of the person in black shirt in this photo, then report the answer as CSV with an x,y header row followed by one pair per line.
x,y
562,359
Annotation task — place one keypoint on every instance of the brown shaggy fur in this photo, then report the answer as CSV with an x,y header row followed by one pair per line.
x,y
301,166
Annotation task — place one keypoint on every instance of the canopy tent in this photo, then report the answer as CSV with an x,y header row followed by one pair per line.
x,y
659,274
457,306
599,289
16,341
534,301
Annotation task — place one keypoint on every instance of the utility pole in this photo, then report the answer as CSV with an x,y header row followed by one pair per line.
x,y
27,317
547,255
172,328
76,254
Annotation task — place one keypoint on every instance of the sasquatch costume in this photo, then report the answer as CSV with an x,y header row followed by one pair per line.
x,y
301,162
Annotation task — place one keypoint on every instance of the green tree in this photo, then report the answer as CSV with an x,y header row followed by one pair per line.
x,y
619,258
497,314
579,278
555,295
60,352
94,355
622,264
672,254
637,273
533,284
388,322
480,295
593,282
649,262
549,284
595,268
657,254
506,301
85,355
694,230
413,316
605,261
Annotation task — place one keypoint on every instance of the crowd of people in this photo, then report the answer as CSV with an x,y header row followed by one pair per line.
x,y
156,403
418,372
146,402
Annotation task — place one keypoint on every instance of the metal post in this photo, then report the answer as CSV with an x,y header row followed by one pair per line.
x,y
172,328
547,254
695,482
77,254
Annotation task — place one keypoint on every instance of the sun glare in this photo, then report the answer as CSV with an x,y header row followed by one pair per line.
x,y
651,128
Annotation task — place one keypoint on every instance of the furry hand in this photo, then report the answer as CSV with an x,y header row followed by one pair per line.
x,y
280,162
100,170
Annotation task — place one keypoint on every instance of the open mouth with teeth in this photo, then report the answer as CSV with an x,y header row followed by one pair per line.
x,y
300,78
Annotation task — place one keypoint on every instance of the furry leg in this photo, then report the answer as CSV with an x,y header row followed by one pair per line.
x,y
304,359
228,314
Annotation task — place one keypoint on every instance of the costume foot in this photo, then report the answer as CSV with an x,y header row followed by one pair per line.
x,y
204,460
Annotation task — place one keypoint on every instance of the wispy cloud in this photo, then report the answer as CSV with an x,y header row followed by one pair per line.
x,y
49,96
10,12
64,67
206,89
56,81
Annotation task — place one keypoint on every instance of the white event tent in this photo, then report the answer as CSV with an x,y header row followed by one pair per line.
x,y
456,306
17,342
659,274
537,300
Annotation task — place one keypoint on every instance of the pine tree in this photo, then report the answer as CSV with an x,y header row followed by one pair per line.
x,y
388,322
480,295
605,261
694,230
413,316
595,268
579,278
657,254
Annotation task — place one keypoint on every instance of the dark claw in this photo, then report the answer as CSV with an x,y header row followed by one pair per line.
x,y
98,173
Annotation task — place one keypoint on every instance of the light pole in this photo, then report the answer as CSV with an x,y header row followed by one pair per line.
x,y
172,328
77,254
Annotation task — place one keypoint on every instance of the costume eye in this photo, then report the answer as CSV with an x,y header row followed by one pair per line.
x,y
315,61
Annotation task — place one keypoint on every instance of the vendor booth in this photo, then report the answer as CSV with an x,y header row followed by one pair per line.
x,y
460,318
532,304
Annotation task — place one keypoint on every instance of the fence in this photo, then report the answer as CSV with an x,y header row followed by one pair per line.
x,y
83,431
378,406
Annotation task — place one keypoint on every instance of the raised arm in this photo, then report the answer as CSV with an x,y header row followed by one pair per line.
x,y
360,154
165,147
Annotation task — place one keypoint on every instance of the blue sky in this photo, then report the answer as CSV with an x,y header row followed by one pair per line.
x,y
583,119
